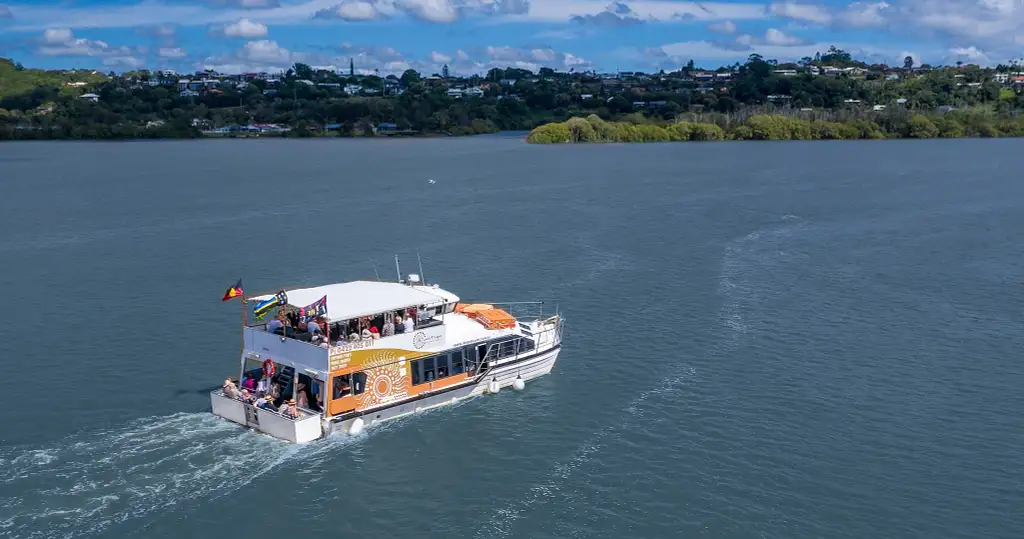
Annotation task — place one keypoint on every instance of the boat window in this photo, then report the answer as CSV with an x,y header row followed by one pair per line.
x,y
442,366
416,367
429,374
526,345
457,367
342,386
359,385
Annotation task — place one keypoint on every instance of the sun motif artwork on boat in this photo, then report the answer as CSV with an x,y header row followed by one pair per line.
x,y
384,379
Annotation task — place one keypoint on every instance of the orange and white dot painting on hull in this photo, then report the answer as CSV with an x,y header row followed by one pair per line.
x,y
366,379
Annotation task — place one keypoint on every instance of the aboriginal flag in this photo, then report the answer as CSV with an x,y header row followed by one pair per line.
x,y
233,292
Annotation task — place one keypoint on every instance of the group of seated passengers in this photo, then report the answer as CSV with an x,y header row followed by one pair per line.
x,y
362,329
265,394
366,328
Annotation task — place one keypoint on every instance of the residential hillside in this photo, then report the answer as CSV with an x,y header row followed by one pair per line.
x,y
305,101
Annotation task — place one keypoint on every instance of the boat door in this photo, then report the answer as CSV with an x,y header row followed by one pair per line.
x,y
481,353
251,419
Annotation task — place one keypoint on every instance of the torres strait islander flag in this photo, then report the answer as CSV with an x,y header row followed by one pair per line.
x,y
234,291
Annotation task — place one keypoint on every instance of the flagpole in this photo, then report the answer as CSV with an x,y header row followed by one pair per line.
x,y
241,371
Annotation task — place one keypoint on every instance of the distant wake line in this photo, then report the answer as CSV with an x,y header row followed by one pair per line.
x,y
90,482
743,263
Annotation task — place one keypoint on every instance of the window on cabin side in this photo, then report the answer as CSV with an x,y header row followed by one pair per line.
x,y
429,374
417,371
457,363
442,366
359,385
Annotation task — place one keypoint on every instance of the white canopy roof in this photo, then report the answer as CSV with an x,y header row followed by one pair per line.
x,y
346,301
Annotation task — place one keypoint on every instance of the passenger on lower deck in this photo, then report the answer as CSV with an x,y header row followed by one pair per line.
x,y
288,409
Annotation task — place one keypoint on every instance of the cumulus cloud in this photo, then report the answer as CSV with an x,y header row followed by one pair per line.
x,y
533,58
5,12
352,10
802,12
773,36
675,54
615,14
439,58
967,55
248,4
243,29
62,42
435,11
723,27
171,52
864,14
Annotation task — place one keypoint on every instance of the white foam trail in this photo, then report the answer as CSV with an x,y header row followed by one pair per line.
x,y
746,262
744,259
500,523
90,482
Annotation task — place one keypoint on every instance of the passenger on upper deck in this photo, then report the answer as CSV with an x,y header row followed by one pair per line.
x,y
399,327
389,326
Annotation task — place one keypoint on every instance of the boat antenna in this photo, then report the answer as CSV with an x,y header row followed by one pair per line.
x,y
375,272
398,269
423,278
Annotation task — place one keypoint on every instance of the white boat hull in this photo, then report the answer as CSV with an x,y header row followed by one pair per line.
x,y
505,373
311,426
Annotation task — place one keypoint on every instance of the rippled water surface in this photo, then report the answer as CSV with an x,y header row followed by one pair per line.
x,y
791,341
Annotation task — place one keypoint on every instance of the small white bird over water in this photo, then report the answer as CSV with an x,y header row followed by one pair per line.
x,y
431,181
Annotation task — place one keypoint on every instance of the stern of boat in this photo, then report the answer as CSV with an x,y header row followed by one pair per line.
x,y
303,429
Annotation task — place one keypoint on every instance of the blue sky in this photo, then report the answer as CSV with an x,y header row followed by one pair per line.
x,y
475,35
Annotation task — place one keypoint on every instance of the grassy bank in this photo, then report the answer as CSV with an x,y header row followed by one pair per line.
x,y
954,124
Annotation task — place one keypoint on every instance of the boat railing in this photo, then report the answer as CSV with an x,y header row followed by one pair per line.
x,y
527,310
304,413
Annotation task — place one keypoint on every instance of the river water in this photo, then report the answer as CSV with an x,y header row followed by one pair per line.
x,y
765,340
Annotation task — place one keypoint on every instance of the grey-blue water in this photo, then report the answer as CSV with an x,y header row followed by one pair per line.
x,y
792,341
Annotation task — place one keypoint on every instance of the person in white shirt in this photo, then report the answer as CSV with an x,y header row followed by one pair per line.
x,y
409,324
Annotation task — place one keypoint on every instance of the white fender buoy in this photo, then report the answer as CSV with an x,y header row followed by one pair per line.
x,y
419,409
518,384
356,427
492,386
455,399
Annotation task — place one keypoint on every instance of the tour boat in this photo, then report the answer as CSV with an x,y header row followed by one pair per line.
x,y
362,371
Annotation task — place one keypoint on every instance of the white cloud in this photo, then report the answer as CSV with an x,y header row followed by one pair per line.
x,y
865,14
439,58
533,58
57,35
773,36
356,10
968,55
123,61
171,52
723,27
677,53
437,11
6,13
461,55
62,42
801,12
244,29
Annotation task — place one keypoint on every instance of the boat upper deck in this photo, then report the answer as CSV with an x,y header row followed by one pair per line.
x,y
363,315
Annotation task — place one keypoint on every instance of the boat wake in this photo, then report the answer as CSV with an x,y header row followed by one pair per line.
x,y
90,482
745,260
500,523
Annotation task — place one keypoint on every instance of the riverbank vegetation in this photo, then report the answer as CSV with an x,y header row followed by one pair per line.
x,y
951,124
828,96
